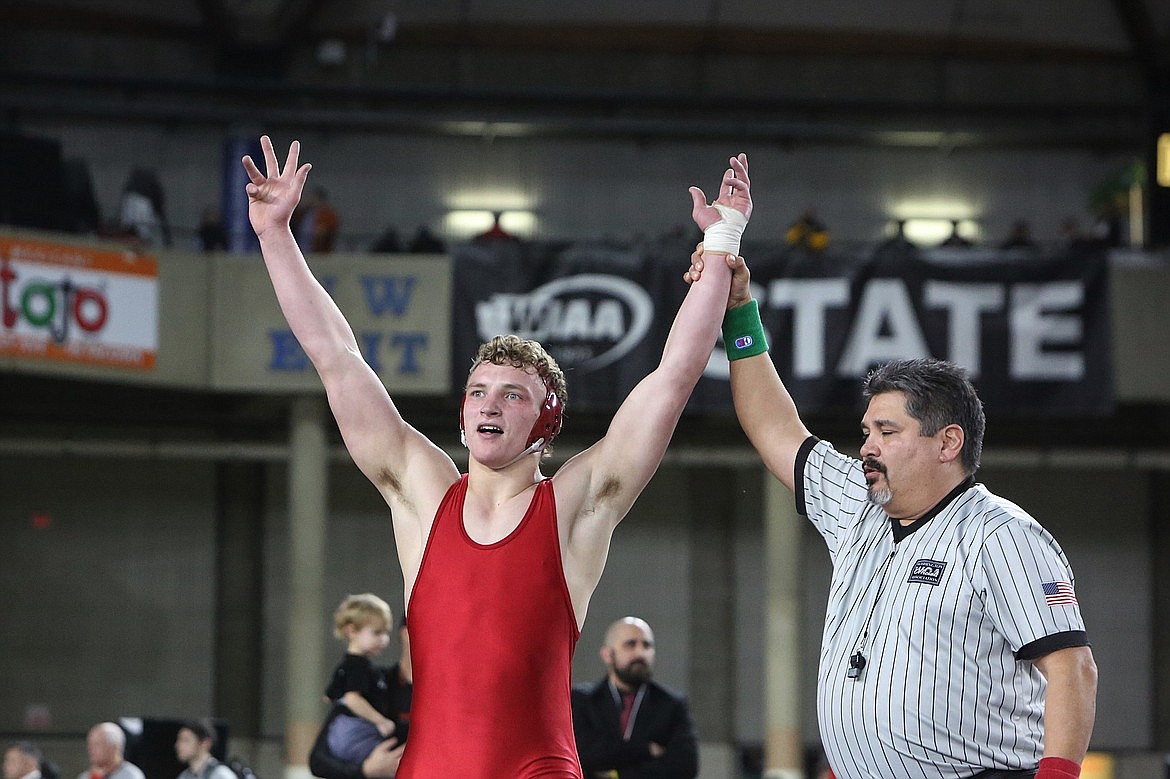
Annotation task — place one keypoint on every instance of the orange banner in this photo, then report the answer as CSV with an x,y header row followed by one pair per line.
x,y
69,303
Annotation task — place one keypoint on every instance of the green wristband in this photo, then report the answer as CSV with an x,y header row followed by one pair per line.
x,y
743,332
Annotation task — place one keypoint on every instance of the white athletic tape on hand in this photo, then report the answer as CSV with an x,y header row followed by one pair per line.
x,y
724,235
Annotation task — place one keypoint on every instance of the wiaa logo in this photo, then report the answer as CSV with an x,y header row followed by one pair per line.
x,y
586,321
927,572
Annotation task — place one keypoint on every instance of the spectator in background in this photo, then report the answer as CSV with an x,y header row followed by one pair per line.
x,y
1071,235
808,232
22,760
954,240
387,243
193,746
382,763
896,249
628,725
81,213
1020,236
496,232
363,622
1108,222
212,234
105,745
426,242
143,211
316,222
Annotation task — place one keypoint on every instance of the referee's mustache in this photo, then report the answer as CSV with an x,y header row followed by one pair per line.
x,y
873,465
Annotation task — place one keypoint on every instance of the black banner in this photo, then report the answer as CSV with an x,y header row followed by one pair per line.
x,y
1032,330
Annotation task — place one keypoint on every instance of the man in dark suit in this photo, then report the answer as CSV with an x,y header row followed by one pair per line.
x,y
627,726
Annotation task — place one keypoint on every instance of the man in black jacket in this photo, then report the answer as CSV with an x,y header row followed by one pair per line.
x,y
627,726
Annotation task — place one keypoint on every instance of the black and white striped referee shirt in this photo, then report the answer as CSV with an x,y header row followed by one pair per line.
x,y
942,616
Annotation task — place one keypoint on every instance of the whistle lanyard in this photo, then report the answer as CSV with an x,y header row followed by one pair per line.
x,y
857,659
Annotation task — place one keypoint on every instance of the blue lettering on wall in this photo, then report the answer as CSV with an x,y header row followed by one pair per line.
x,y
388,293
289,357
369,346
287,354
410,343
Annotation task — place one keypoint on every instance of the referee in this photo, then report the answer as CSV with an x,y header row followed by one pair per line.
x,y
953,643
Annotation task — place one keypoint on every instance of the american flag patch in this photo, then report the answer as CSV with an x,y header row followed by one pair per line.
x,y
1059,593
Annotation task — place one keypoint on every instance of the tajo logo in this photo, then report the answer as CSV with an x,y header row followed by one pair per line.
x,y
52,305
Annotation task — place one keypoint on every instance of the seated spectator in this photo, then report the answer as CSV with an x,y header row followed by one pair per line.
x,y
316,222
495,233
1020,236
193,746
426,242
1108,223
212,234
387,243
23,760
82,214
105,744
808,232
954,240
143,209
1071,234
897,248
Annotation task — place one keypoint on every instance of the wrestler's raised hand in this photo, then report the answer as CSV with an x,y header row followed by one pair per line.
x,y
274,194
734,192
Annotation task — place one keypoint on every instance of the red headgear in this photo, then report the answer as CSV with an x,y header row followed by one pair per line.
x,y
548,424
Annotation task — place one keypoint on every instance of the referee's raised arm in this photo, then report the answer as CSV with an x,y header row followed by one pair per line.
x,y
766,411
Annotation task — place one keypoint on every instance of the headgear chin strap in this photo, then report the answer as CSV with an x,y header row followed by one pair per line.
x,y
533,448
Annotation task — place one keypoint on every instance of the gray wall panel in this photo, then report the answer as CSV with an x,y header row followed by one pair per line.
x,y
109,610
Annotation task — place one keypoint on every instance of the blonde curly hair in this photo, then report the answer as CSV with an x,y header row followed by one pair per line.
x,y
526,354
359,611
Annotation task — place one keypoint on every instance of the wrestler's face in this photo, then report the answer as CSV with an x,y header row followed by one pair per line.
x,y
898,461
629,654
500,405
